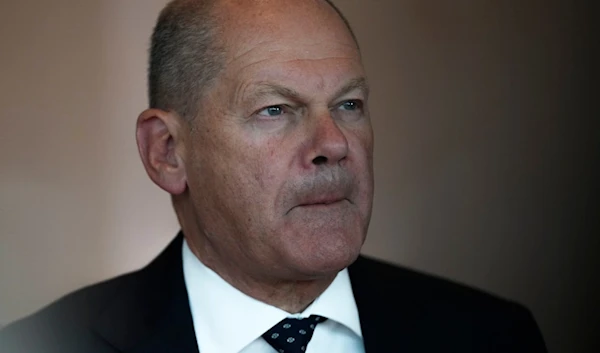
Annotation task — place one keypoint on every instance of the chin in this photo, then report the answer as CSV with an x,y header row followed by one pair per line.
x,y
318,243
337,262
328,256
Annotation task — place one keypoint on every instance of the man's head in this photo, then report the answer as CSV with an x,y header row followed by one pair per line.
x,y
268,153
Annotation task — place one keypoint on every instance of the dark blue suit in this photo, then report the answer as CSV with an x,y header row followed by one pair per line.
x,y
400,311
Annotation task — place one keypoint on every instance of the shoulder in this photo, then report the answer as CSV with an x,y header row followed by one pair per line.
x,y
386,279
64,325
437,307
118,310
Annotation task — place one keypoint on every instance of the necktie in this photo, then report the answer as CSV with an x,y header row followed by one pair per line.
x,y
292,335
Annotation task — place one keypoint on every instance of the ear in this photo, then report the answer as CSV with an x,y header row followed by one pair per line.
x,y
160,143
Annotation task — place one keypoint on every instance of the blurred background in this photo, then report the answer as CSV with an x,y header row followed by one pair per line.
x,y
486,159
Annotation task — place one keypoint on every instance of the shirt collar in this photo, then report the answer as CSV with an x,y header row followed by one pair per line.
x,y
226,320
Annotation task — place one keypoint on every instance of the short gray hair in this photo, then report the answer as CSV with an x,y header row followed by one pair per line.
x,y
185,57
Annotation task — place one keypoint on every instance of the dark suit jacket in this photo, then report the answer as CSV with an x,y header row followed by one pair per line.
x,y
400,311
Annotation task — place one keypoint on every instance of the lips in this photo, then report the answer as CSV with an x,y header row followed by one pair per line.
x,y
328,188
323,200
320,201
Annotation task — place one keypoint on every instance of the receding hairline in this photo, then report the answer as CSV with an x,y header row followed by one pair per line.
x,y
179,74
213,8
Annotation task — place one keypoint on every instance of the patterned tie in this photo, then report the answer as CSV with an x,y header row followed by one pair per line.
x,y
292,335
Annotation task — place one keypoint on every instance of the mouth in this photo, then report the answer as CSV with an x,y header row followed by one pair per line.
x,y
322,202
322,197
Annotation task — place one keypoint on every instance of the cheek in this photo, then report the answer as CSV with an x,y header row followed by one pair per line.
x,y
272,156
361,145
259,171
362,149
264,162
366,138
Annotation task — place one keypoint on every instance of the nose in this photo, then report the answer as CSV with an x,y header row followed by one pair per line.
x,y
329,144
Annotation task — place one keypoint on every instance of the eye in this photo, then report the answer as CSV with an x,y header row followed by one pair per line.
x,y
272,111
351,105
349,110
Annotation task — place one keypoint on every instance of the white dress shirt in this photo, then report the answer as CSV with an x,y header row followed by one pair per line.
x,y
229,321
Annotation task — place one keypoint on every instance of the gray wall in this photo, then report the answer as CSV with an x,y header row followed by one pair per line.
x,y
485,155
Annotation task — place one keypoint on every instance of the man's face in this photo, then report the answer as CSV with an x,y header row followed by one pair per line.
x,y
279,164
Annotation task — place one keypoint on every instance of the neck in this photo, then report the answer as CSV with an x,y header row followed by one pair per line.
x,y
290,295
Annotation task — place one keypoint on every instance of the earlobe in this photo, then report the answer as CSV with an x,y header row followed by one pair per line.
x,y
159,142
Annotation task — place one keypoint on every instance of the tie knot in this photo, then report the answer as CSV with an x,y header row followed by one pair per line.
x,y
292,335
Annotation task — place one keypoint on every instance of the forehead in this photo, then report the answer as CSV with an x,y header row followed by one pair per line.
x,y
276,14
286,39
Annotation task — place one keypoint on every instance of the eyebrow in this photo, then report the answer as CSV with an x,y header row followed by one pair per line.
x,y
359,83
267,89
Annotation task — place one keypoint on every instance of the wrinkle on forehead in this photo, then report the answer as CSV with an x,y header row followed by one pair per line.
x,y
257,90
267,65
303,77
275,61
300,51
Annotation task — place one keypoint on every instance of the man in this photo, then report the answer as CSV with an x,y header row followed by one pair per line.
x,y
259,129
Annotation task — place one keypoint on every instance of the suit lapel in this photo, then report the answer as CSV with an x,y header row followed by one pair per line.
x,y
386,314
151,313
